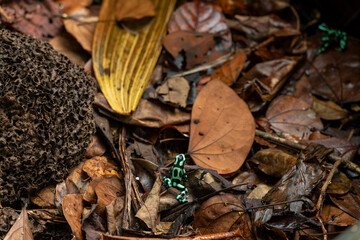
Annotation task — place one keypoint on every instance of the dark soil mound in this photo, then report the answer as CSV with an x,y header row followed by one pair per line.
x,y
46,119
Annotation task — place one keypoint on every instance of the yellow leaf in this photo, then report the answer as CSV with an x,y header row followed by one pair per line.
x,y
123,61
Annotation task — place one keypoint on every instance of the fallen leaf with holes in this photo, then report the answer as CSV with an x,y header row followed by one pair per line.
x,y
134,9
200,17
223,213
222,129
106,191
174,90
292,118
148,213
335,74
273,162
20,229
198,48
99,166
72,208
329,110
32,17
229,71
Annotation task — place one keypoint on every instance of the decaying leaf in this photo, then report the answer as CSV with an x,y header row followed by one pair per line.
x,y
268,77
222,213
96,148
45,198
69,6
292,118
114,214
222,129
123,62
200,17
259,192
21,229
149,211
72,208
174,90
258,28
349,202
82,27
32,17
229,71
329,110
106,191
149,113
335,74
134,9
274,162
198,48
99,166
334,216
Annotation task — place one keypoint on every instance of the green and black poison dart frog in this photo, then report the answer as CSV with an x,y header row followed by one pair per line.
x,y
178,175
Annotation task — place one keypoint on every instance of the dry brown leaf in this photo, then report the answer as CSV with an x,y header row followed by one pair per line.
x,y
96,148
82,27
72,208
21,229
222,129
61,191
222,213
174,90
45,198
114,214
328,110
67,45
292,118
99,166
69,6
334,216
198,48
200,17
229,71
149,211
134,9
273,162
106,191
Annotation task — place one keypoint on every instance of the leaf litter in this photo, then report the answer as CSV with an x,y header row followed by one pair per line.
x,y
229,70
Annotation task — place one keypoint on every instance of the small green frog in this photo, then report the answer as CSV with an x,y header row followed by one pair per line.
x,y
178,175
332,37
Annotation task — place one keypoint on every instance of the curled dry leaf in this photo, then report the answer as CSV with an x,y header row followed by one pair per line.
x,y
292,118
149,211
335,74
273,162
200,17
21,229
229,71
268,77
328,110
222,213
222,129
257,28
99,166
134,9
72,208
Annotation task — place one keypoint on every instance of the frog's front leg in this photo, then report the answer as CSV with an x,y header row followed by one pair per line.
x,y
182,196
167,182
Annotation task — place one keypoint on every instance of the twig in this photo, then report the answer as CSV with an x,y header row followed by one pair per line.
x,y
332,157
327,183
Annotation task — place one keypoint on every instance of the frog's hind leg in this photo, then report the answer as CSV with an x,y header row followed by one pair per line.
x,y
166,182
182,196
